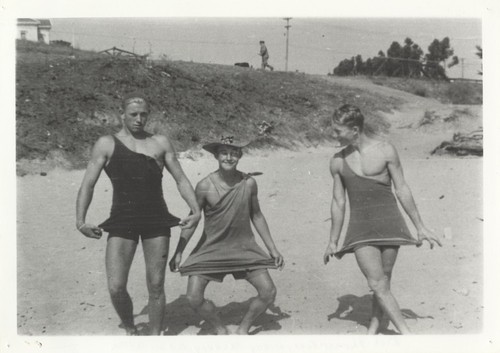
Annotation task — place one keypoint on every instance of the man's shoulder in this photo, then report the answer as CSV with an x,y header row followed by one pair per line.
x,y
204,184
163,141
388,150
105,142
250,179
251,182
337,159
106,139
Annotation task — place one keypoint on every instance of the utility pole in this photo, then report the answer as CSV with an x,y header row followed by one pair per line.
x,y
462,60
287,19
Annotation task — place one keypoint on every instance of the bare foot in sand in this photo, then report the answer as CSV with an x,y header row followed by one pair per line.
x,y
221,330
241,331
374,326
131,331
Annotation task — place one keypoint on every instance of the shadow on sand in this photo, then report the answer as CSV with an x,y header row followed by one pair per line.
x,y
179,316
358,309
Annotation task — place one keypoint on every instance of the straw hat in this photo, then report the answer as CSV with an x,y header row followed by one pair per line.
x,y
230,141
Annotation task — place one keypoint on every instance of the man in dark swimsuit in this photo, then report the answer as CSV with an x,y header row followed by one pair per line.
x,y
134,161
364,173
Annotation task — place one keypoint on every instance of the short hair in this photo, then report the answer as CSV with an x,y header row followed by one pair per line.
x,y
134,97
349,115
261,42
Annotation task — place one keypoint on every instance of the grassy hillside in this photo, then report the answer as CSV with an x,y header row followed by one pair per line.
x,y
66,98
457,92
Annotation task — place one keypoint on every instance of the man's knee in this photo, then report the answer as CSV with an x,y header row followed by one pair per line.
x,y
156,289
117,289
268,294
195,300
380,285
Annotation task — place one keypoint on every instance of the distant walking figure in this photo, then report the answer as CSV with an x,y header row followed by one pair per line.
x,y
367,168
134,161
265,56
229,201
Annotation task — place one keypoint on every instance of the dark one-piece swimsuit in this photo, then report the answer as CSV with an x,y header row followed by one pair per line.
x,y
138,205
375,218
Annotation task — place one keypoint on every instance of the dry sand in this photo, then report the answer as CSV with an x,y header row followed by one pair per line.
x,y
62,283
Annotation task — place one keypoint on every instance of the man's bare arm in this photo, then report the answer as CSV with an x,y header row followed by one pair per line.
x,y
187,233
183,184
405,196
101,153
260,223
337,209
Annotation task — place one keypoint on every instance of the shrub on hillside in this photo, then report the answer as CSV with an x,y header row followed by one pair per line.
x,y
420,91
463,93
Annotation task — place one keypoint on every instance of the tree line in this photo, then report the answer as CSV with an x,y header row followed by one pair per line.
x,y
406,60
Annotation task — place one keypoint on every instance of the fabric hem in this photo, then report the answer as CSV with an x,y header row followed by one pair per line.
x,y
350,248
226,270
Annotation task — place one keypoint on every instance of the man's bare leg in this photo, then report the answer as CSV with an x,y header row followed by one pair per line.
x,y
205,308
156,256
377,316
370,262
265,297
119,255
389,255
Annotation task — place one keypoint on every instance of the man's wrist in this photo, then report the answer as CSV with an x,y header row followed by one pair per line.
x,y
80,224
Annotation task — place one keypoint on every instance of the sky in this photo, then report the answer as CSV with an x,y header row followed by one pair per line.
x,y
316,44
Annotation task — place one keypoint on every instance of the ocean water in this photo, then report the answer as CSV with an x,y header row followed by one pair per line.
x,y
316,45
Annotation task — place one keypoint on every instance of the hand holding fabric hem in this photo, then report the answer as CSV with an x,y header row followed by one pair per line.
x,y
189,222
330,251
278,259
175,262
426,235
90,231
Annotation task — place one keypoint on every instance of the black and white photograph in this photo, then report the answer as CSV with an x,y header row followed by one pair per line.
x,y
313,178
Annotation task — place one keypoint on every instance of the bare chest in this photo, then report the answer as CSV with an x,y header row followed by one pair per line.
x,y
370,164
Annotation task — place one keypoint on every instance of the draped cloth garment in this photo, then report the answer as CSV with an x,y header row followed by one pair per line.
x,y
138,203
227,243
375,218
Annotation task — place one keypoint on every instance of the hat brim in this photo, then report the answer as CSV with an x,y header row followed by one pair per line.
x,y
213,146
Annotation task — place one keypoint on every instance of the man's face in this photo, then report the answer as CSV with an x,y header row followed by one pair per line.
x,y
228,157
344,134
135,117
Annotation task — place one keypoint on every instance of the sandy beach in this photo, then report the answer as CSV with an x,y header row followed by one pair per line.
x,y
62,283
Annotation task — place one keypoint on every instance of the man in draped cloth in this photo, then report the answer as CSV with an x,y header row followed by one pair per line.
x,y
229,200
134,160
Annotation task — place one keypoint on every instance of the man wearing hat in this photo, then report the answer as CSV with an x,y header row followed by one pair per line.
x,y
229,200
134,161
265,56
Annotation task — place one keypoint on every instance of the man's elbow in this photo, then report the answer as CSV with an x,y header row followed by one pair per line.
x,y
338,204
85,189
257,217
402,191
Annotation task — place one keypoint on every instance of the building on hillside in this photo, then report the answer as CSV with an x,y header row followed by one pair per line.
x,y
34,29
